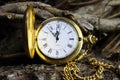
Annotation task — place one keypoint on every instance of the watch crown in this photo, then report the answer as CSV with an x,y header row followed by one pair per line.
x,y
90,39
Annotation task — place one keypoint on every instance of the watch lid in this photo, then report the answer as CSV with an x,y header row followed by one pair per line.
x,y
29,31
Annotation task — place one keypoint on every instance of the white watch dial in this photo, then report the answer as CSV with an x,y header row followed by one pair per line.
x,y
57,39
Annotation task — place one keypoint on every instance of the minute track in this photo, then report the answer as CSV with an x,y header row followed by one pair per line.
x,y
58,38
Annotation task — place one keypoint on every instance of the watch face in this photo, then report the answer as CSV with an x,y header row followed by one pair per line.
x,y
57,39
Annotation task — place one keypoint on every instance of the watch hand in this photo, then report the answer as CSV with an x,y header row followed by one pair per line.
x,y
51,32
56,35
57,32
58,28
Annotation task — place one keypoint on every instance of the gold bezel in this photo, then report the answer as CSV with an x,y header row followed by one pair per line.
x,y
29,31
68,58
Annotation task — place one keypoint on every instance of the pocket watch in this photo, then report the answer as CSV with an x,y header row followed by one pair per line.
x,y
57,40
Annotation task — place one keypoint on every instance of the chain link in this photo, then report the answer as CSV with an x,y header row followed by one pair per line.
x,y
95,62
71,69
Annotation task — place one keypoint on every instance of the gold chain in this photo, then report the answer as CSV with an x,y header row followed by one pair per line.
x,y
95,62
95,76
71,69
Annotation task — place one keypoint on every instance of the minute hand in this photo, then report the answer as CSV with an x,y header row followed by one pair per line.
x,y
51,32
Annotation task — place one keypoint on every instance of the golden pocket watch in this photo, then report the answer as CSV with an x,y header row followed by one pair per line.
x,y
57,40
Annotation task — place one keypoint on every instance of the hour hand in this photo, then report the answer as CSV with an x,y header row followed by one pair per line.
x,y
56,35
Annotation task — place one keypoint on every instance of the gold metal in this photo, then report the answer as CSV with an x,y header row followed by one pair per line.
x,y
118,69
90,39
71,70
95,62
9,16
76,51
29,31
31,37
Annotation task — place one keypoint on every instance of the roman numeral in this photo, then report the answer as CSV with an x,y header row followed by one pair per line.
x,y
71,38
50,50
44,39
69,45
64,50
64,27
45,45
45,32
69,32
51,27
57,52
